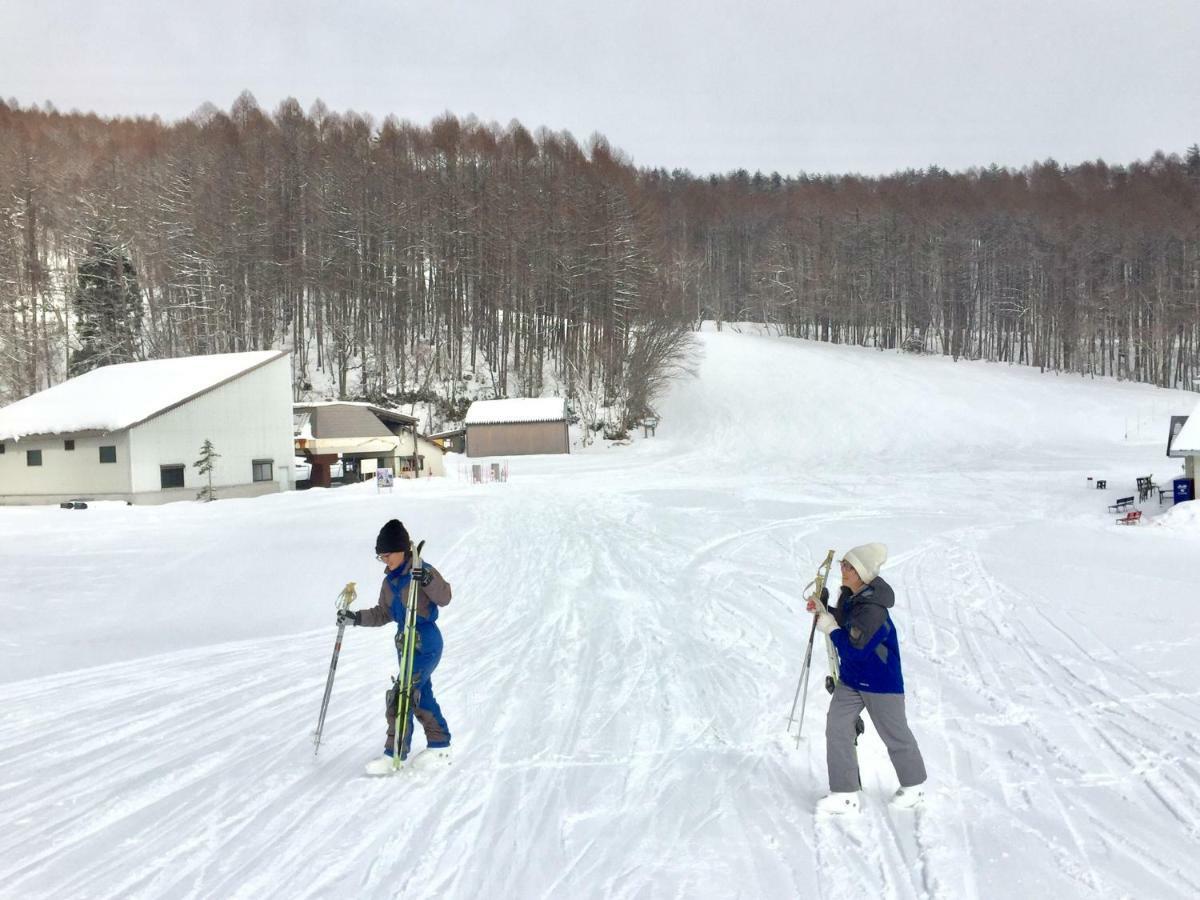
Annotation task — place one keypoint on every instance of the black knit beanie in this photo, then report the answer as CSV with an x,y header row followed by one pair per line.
x,y
393,538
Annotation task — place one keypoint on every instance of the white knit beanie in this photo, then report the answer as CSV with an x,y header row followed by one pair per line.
x,y
867,560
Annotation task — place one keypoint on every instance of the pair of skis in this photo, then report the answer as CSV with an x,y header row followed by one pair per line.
x,y
408,652
408,647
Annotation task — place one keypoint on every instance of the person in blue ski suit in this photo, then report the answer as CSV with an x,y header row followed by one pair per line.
x,y
861,630
393,548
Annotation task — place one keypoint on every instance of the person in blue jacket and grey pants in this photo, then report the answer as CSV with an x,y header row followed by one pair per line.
x,y
861,630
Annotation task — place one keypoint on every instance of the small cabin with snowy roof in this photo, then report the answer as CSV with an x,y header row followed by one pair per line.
x,y
1184,442
517,427
132,431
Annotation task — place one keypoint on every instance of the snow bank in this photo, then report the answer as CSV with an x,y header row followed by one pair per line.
x,y
1183,517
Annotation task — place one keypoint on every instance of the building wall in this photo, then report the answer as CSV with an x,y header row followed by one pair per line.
x,y
64,474
247,419
432,452
517,439
224,492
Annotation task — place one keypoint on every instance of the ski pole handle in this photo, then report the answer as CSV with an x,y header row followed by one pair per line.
x,y
818,584
347,596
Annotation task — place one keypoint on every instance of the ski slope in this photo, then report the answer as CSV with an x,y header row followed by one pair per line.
x,y
621,654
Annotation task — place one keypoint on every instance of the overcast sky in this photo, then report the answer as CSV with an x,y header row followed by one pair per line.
x,y
834,86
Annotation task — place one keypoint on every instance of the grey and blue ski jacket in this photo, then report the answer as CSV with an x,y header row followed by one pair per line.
x,y
390,608
867,646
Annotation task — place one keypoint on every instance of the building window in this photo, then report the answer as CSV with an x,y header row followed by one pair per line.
x,y
170,476
33,457
68,445
1,447
108,454
262,470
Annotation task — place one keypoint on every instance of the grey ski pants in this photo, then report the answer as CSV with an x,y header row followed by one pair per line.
x,y
887,715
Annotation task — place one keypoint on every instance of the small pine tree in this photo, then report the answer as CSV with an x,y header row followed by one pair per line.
x,y
208,457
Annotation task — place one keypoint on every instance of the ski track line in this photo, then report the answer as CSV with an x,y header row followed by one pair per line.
x,y
1085,874
1071,687
963,574
1074,688
969,889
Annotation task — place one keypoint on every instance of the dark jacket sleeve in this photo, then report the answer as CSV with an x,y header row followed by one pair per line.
x,y
860,623
863,622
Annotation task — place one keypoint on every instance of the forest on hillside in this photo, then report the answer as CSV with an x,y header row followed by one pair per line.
x,y
401,260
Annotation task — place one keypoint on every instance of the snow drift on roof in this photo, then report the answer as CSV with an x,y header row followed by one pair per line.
x,y
1188,439
114,397
520,409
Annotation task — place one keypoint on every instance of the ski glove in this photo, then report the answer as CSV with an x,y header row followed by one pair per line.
x,y
423,575
826,623
347,617
812,607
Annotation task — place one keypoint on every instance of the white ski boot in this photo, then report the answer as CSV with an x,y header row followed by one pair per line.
x,y
908,797
432,758
839,803
381,765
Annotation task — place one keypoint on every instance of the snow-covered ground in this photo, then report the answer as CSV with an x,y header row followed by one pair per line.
x,y
621,654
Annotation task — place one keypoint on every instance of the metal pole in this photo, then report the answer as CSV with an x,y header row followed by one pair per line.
x,y
345,598
802,686
817,585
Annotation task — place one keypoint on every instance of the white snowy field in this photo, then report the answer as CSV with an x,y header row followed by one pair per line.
x,y
621,654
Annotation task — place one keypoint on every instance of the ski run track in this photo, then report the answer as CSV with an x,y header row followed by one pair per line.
x,y
622,650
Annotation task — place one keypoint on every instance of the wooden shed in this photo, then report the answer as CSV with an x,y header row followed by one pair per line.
x,y
517,427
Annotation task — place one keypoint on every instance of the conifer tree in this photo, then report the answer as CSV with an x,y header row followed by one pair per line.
x,y
108,306
205,464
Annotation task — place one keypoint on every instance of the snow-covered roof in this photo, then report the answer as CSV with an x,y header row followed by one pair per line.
x,y
518,409
1188,439
116,397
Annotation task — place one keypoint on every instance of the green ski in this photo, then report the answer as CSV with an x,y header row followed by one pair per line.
x,y
408,650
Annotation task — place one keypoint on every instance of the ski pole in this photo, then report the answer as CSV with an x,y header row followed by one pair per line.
x,y
804,667
817,585
345,598
802,687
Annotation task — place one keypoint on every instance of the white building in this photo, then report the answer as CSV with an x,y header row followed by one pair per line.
x,y
133,431
1185,444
